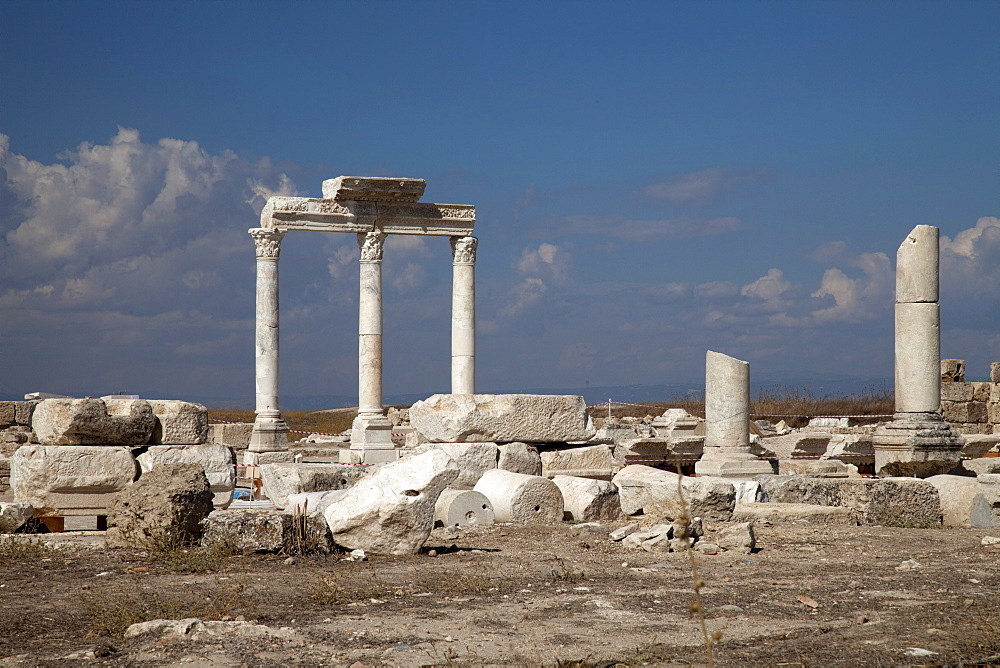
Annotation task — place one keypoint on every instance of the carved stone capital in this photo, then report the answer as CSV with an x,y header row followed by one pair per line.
x,y
268,242
463,250
371,245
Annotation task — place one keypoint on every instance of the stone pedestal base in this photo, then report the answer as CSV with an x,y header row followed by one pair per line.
x,y
916,445
270,434
731,465
371,441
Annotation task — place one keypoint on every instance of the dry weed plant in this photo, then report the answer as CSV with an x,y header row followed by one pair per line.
x,y
113,611
177,549
16,548
697,606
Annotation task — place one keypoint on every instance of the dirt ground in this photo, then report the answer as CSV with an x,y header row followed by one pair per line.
x,y
499,595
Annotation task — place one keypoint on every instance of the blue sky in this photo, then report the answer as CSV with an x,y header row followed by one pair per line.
x,y
652,180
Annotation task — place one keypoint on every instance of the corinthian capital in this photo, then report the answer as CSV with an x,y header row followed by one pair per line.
x,y
463,250
268,242
371,245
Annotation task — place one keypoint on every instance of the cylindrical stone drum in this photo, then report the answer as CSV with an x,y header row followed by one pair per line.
x,y
462,507
521,499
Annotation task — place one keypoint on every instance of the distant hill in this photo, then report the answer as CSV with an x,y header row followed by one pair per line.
x,y
817,386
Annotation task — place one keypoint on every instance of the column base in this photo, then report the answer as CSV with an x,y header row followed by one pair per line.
x,y
732,465
371,432
916,445
270,434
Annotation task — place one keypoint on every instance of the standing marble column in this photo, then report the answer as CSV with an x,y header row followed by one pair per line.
x,y
270,433
463,315
917,442
371,432
727,420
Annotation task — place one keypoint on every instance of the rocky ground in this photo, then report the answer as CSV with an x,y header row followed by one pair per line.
x,y
554,596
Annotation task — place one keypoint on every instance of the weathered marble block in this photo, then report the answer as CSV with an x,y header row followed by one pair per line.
x,y
520,458
963,503
502,418
588,500
656,493
216,460
93,422
282,479
901,502
179,423
70,479
473,459
593,461
391,510
235,435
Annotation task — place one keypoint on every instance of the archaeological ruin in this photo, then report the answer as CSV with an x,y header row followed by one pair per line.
x,y
464,458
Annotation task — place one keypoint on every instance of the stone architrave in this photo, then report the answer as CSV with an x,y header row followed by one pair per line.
x,y
727,450
270,433
917,442
463,315
372,207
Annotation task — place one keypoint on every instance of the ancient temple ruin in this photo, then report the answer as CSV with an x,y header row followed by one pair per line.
x,y
371,208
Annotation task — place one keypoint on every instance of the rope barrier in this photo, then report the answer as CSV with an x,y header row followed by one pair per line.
x,y
609,403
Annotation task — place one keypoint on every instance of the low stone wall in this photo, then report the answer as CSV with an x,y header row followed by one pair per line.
x,y
971,408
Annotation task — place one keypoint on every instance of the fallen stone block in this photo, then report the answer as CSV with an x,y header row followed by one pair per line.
x,y
235,435
215,460
815,467
473,460
978,466
179,423
963,503
502,418
6,414
281,479
462,507
519,458
93,422
671,451
248,531
799,444
70,479
594,461
748,491
737,538
900,502
624,532
614,432
521,499
14,515
165,507
782,513
196,630
588,500
391,510
977,445
656,493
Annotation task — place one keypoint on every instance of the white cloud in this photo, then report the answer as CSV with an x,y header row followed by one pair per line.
x,y
700,186
522,296
768,287
410,278
112,209
971,243
716,289
547,260
690,187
